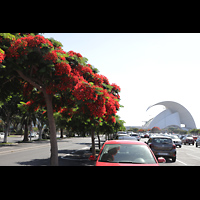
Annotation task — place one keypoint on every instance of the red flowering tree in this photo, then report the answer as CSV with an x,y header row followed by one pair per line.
x,y
155,129
58,79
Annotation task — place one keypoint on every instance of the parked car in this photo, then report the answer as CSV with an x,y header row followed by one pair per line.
x,y
198,142
32,135
163,146
176,140
119,134
142,135
127,137
135,135
188,139
126,153
195,137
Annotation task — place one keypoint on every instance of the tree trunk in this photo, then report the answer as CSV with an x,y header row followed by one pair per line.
x,y
93,144
26,132
99,141
61,132
7,126
40,131
52,126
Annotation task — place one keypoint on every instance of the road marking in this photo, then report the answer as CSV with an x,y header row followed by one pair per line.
x,y
181,162
193,156
22,149
189,148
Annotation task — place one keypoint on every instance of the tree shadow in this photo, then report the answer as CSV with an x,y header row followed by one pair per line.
x,y
36,162
69,158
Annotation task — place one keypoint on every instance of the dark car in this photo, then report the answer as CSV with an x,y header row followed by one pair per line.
x,y
162,146
188,139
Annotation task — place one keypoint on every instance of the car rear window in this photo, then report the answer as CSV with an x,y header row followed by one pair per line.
x,y
162,140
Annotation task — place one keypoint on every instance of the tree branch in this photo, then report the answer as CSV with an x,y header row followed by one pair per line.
x,y
39,87
8,80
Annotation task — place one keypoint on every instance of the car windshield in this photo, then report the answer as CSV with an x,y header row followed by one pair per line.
x,y
126,153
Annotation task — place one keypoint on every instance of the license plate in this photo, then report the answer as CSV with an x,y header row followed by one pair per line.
x,y
162,154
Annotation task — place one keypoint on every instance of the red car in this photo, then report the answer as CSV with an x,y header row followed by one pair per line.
x,y
126,153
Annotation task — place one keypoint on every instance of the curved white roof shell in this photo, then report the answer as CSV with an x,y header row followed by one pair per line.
x,y
174,115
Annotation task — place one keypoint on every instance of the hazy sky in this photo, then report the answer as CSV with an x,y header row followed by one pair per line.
x,y
149,68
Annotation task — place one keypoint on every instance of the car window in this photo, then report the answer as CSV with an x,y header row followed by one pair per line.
x,y
162,140
127,153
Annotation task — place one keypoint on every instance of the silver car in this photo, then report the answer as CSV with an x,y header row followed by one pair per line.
x,y
176,140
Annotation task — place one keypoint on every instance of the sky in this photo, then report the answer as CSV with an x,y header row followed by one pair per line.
x,y
148,67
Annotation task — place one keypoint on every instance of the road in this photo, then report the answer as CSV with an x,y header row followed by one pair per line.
x,y
75,152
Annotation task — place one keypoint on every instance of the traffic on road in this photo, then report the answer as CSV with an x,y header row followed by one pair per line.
x,y
169,149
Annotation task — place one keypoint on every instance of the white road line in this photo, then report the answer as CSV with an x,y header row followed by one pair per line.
x,y
181,162
193,156
189,148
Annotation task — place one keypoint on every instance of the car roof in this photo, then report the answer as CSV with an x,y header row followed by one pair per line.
x,y
124,142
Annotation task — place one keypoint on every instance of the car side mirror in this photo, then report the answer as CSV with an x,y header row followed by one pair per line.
x,y
161,160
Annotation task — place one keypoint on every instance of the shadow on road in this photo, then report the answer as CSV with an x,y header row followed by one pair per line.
x,y
69,158
36,162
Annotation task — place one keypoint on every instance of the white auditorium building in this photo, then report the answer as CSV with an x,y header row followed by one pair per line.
x,y
174,115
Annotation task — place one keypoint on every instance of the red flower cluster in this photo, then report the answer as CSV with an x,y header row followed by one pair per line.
x,y
19,47
52,56
36,41
84,91
72,53
155,127
115,88
29,103
62,68
97,109
2,56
